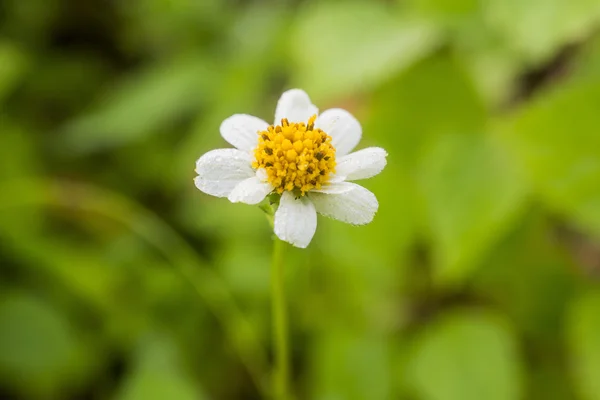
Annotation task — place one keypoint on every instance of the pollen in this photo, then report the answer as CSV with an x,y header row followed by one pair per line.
x,y
296,156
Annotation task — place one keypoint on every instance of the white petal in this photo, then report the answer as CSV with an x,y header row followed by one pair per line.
x,y
295,220
241,131
219,171
355,206
294,105
334,188
361,164
262,175
250,191
344,129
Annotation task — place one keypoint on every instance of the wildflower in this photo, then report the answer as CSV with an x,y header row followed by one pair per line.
x,y
304,157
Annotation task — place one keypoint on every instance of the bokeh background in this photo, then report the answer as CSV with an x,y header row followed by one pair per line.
x,y
477,280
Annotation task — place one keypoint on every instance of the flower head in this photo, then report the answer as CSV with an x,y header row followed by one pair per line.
x,y
304,157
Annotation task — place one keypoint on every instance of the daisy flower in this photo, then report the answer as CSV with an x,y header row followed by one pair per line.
x,y
304,157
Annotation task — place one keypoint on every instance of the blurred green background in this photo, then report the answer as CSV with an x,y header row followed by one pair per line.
x,y
479,278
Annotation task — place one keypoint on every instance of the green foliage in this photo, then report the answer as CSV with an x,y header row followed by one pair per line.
x,y
157,375
476,280
36,346
154,97
555,136
536,28
14,63
350,365
472,193
467,347
585,344
383,42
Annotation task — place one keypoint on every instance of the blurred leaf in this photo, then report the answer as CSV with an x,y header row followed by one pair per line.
x,y
18,160
158,375
482,49
348,365
532,280
172,26
494,71
114,292
466,356
141,105
45,88
341,48
583,325
205,215
268,23
586,63
432,98
188,266
245,265
349,279
537,286
473,193
13,65
494,66
446,9
537,28
30,20
556,138
35,343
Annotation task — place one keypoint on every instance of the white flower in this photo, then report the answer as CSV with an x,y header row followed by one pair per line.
x,y
303,157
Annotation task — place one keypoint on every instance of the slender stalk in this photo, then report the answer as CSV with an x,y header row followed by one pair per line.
x,y
280,327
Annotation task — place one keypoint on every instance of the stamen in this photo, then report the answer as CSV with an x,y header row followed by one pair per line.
x,y
296,156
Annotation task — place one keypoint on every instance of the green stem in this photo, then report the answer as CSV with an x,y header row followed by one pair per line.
x,y
280,328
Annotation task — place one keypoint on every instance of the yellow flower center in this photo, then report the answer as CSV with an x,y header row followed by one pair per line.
x,y
296,156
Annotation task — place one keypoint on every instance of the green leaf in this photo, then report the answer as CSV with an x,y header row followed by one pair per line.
x,y
349,365
586,63
158,374
446,9
537,28
584,342
141,105
528,276
17,152
556,139
35,344
12,67
473,192
432,98
466,356
494,70
170,27
361,46
18,161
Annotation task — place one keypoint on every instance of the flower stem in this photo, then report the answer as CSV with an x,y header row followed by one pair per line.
x,y
280,328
